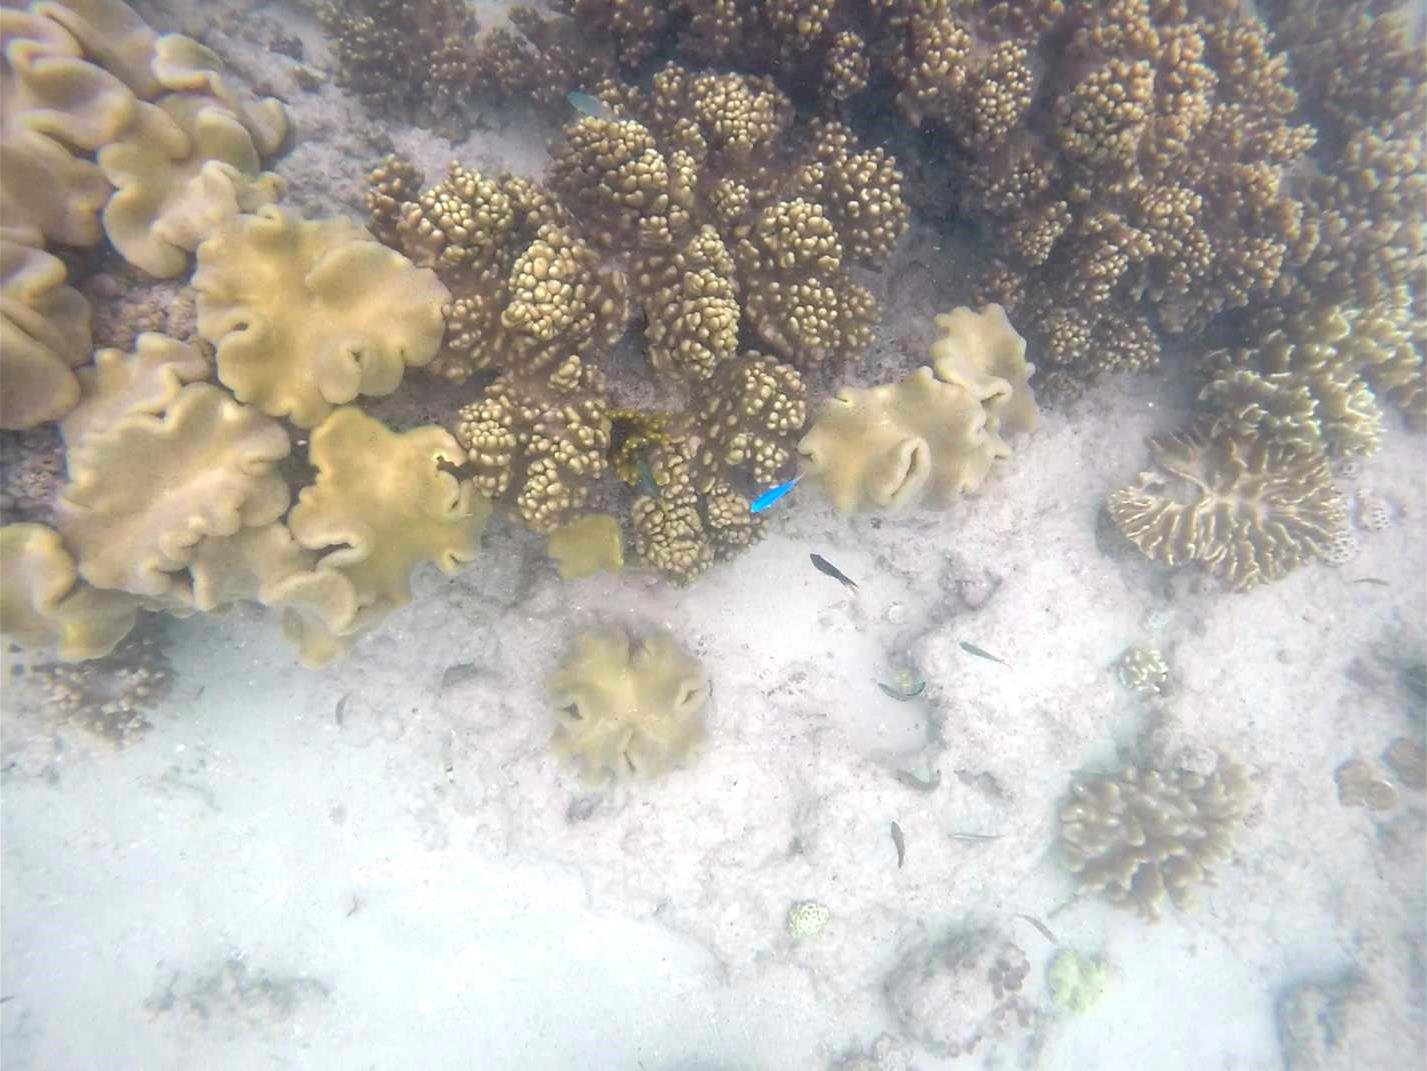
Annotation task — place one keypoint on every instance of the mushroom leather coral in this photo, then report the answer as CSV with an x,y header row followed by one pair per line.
x,y
145,492
1250,510
144,381
627,708
307,315
588,545
43,601
935,434
52,101
383,503
183,167
44,333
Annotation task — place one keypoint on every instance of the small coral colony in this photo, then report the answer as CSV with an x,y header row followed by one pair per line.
x,y
1244,193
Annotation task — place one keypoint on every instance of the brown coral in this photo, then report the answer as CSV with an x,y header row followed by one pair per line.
x,y
1143,833
1250,511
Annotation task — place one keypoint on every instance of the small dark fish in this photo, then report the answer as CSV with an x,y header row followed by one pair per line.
x,y
911,780
826,567
901,844
972,649
341,706
589,104
6,1000
1041,926
900,695
1371,580
974,836
773,494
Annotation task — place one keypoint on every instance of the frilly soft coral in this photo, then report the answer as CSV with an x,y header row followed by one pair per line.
x,y
43,602
144,492
935,434
627,708
307,315
383,503
44,333
183,167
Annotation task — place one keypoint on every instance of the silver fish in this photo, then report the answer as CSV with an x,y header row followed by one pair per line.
x,y
589,104
901,844
972,649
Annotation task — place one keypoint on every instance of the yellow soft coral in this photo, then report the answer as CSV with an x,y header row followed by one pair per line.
x,y
51,101
383,503
144,381
143,494
44,333
43,601
935,434
183,167
626,708
307,315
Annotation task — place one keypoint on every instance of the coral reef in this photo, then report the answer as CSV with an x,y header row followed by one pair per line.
x,y
934,435
309,314
94,97
961,993
539,444
527,290
589,545
383,503
1248,510
44,334
44,604
1143,833
627,706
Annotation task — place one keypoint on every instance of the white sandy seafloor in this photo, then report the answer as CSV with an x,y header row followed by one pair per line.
x,y
382,865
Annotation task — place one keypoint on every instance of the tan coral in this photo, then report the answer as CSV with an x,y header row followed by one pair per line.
x,y
586,546
307,315
1250,511
383,503
51,101
144,381
43,602
627,708
935,434
182,168
113,35
1139,835
44,334
143,494
181,63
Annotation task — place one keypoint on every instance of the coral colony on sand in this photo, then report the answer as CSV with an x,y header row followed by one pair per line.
x,y
1128,166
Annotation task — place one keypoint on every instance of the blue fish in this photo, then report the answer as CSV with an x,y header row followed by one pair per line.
x,y
589,104
773,494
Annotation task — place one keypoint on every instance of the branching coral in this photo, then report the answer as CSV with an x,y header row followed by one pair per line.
x,y
935,434
539,444
307,315
44,334
752,415
526,290
1141,834
627,707
1250,511
1306,382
